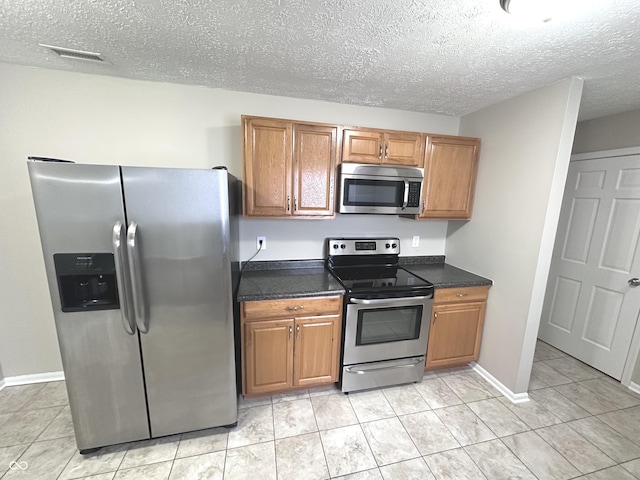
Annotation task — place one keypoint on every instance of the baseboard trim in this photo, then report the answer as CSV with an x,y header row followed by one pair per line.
x,y
34,378
514,397
634,387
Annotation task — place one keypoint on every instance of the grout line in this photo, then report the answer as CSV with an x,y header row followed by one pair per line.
x,y
315,418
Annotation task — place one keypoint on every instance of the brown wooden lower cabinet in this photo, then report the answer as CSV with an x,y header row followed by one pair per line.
x,y
455,332
283,354
268,352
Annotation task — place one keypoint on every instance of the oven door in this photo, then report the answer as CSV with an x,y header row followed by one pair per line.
x,y
386,329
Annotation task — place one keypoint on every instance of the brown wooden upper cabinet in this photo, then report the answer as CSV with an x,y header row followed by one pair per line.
x,y
289,168
450,170
384,147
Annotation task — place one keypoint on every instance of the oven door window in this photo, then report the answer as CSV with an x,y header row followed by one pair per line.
x,y
385,325
373,193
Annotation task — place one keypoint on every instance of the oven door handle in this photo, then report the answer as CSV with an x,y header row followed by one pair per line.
x,y
363,301
392,367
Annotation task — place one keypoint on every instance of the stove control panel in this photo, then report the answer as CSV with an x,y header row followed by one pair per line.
x,y
363,246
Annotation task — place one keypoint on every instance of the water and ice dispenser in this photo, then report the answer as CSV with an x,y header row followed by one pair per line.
x,y
86,281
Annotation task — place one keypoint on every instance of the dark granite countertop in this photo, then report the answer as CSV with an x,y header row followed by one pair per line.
x,y
308,278
442,275
287,279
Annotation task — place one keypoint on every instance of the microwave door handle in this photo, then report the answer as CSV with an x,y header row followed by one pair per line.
x,y
405,200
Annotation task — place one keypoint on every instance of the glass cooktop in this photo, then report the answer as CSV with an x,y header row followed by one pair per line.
x,y
375,277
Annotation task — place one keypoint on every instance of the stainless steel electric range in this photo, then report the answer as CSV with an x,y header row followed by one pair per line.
x,y
386,314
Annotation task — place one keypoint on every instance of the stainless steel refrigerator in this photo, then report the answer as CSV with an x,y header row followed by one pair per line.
x,y
141,264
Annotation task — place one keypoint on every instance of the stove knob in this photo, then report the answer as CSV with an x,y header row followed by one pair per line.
x,y
343,246
387,245
394,245
335,246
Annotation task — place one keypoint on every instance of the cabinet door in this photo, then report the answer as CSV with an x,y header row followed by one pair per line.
x,y
454,336
403,149
316,350
361,146
267,167
314,162
268,348
450,169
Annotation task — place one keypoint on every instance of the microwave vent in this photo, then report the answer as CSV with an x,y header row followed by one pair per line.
x,y
75,54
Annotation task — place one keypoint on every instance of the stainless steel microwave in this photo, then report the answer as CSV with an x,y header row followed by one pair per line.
x,y
381,189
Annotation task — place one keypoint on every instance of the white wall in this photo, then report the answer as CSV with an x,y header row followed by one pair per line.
x,y
608,133
99,119
304,240
526,145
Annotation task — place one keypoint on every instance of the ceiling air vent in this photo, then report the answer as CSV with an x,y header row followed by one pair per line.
x,y
77,54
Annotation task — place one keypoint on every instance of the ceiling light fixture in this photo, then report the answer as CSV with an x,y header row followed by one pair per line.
x,y
532,10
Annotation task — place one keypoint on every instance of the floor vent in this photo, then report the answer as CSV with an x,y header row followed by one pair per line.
x,y
77,54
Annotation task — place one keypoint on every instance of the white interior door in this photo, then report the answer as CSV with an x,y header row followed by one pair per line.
x,y
590,309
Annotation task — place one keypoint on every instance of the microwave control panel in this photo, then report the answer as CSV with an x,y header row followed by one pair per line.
x,y
414,194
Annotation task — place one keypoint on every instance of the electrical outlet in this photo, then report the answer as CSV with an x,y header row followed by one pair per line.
x,y
263,245
416,241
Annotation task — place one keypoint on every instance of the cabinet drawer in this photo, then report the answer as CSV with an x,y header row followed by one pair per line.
x,y
466,294
291,307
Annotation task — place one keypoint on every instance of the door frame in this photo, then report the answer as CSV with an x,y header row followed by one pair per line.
x,y
634,348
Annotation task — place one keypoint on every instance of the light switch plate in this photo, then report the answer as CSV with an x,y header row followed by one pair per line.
x,y
416,241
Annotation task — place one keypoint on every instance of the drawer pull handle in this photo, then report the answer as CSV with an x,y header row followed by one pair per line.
x,y
290,333
298,331
296,308
392,367
461,294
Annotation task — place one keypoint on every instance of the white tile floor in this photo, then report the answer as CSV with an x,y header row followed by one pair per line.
x,y
453,425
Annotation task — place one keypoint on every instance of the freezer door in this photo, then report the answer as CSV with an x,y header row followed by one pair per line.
x,y
77,207
178,243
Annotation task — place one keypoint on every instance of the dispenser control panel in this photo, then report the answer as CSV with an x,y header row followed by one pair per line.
x,y
86,281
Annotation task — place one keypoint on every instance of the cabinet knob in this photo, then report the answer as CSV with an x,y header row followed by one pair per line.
x,y
290,333
435,317
297,331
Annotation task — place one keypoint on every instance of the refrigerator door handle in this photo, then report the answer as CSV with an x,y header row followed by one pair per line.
x,y
121,271
136,278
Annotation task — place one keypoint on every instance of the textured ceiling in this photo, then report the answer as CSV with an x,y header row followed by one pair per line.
x,y
439,56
